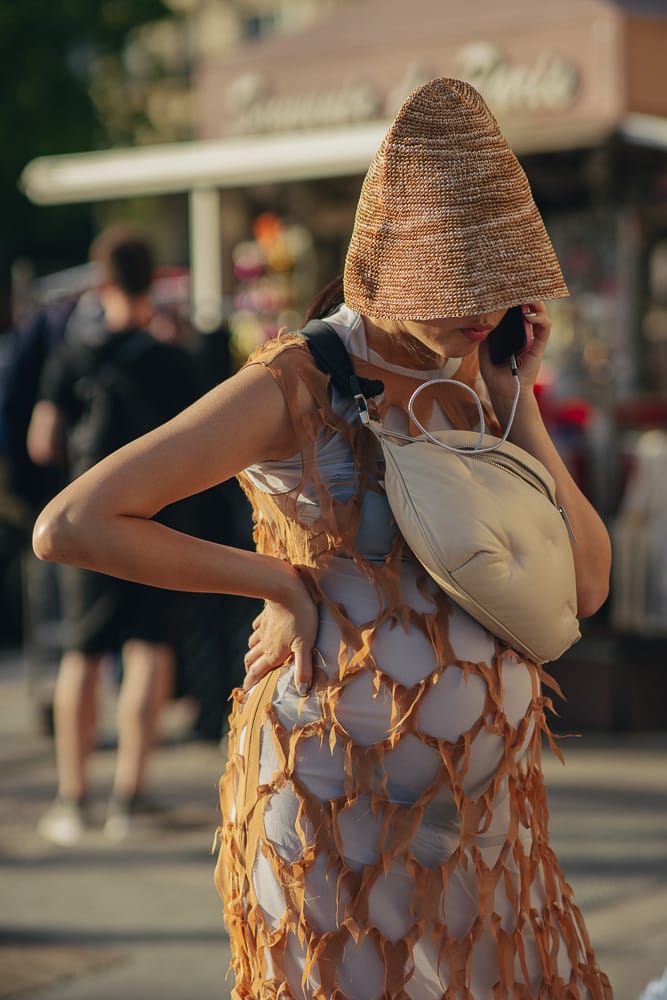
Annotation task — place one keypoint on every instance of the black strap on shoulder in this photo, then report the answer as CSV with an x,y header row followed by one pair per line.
x,y
331,357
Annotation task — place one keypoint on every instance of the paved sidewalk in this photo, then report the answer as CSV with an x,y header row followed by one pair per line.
x,y
609,828
142,919
137,920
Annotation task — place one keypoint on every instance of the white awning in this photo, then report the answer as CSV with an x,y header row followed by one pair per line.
x,y
645,130
176,167
203,168
270,159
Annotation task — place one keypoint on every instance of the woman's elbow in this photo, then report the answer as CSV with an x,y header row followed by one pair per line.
x,y
591,596
593,573
54,536
588,605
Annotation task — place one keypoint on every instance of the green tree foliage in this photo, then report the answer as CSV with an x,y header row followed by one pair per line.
x,y
52,56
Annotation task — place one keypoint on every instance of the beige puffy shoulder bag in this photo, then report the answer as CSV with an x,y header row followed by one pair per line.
x,y
479,513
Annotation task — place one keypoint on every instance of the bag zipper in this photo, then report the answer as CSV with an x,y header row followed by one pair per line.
x,y
532,480
568,524
526,475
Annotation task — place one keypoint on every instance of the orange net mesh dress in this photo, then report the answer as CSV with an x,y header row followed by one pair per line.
x,y
385,837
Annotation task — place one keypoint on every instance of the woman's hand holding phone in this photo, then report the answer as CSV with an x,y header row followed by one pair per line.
x,y
498,375
509,338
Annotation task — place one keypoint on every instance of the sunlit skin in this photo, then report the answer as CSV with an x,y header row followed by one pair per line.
x,y
103,521
428,343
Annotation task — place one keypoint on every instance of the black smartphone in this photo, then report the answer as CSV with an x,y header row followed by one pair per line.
x,y
508,338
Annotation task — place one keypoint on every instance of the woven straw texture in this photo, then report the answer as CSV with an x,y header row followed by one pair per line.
x,y
446,223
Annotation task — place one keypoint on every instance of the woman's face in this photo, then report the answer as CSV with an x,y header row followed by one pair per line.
x,y
454,337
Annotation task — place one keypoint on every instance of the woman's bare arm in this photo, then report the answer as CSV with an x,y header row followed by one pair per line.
x,y
592,549
102,521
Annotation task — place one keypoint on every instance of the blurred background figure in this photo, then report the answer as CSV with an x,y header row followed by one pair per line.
x,y
98,390
29,588
639,533
656,989
25,487
66,307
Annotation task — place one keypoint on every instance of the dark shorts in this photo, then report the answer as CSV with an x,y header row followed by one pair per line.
x,y
101,613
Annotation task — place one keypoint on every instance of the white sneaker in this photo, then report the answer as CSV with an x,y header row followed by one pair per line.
x,y
64,823
125,816
118,825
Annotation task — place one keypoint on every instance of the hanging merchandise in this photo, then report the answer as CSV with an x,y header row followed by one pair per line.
x,y
639,542
268,270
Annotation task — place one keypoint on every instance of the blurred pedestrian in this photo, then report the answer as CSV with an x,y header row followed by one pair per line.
x,y
97,393
30,595
33,342
656,989
639,535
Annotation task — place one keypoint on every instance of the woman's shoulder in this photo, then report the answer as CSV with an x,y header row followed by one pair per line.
x,y
291,364
288,347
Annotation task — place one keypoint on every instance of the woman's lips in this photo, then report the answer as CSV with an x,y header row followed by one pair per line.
x,y
476,334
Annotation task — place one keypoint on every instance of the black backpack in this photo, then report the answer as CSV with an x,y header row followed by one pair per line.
x,y
114,407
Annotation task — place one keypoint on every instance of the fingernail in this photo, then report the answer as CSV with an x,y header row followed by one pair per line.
x,y
302,688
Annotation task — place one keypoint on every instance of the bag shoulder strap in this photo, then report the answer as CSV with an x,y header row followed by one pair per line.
x,y
331,357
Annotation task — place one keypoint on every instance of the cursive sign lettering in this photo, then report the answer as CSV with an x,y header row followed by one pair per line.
x,y
549,83
252,109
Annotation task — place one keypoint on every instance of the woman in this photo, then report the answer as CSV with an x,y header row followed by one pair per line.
x,y
384,828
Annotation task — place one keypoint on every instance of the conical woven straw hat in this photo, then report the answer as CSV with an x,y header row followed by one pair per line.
x,y
446,224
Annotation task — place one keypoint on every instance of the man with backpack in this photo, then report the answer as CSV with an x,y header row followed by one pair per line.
x,y
96,394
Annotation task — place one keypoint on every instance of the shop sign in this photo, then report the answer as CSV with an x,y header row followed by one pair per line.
x,y
548,83
252,109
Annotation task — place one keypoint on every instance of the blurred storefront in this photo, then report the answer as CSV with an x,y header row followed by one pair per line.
x,y
580,89
287,125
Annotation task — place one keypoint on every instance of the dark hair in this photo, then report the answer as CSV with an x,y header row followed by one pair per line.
x,y
326,300
125,258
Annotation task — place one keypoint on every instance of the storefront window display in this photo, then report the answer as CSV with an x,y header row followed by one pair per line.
x,y
273,273
654,320
579,380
